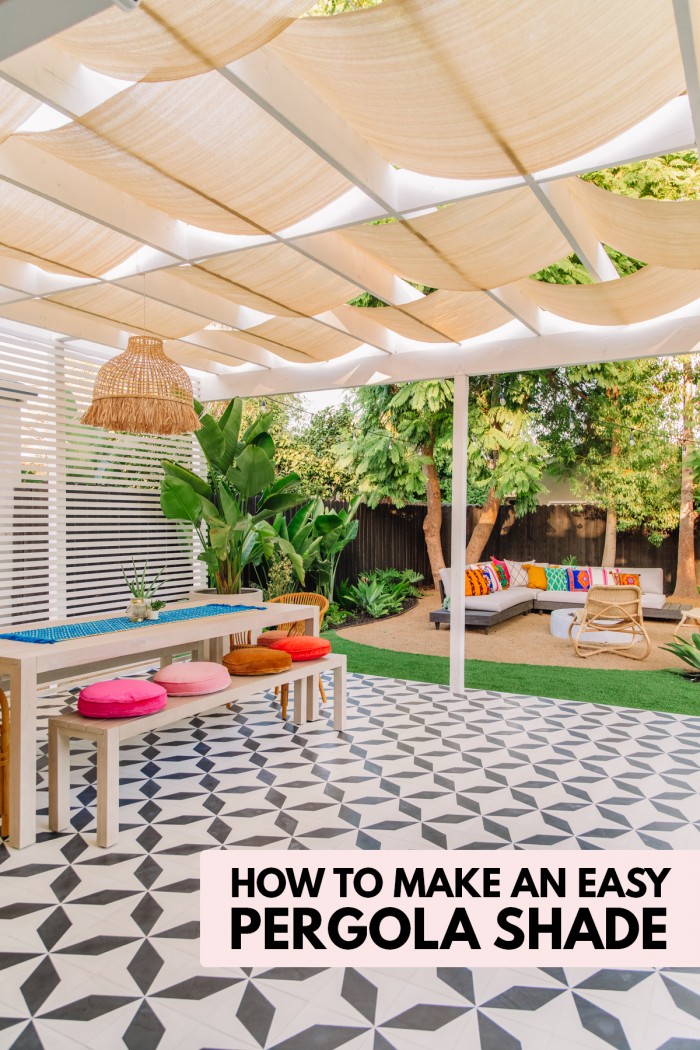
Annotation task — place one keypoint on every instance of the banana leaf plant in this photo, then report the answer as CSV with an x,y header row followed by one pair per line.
x,y
319,535
689,653
233,507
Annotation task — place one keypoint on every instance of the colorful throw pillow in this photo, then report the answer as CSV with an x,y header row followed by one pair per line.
x,y
536,577
627,579
579,579
602,577
557,578
492,577
475,583
502,572
517,573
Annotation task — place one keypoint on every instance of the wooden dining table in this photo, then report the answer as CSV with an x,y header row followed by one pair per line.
x,y
28,665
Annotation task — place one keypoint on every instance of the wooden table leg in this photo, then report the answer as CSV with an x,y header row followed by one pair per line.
x,y
340,693
59,779
23,754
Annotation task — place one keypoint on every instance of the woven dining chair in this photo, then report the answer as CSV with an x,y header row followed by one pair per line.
x,y
611,609
297,628
4,765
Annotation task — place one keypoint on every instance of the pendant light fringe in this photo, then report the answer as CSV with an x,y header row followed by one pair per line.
x,y
143,392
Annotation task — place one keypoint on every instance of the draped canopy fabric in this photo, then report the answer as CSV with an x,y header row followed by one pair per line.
x,y
486,85
638,297
654,231
475,244
274,279
171,39
268,168
196,148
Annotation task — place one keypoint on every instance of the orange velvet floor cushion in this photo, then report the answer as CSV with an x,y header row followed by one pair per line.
x,y
256,659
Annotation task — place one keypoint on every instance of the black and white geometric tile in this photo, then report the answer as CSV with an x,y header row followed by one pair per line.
x,y
100,947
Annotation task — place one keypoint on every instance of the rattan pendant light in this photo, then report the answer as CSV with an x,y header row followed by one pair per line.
x,y
142,391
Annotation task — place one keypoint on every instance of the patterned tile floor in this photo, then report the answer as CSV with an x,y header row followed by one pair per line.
x,y
99,948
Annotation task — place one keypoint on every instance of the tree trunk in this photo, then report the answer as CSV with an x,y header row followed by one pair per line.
x,y
483,528
432,521
610,545
686,585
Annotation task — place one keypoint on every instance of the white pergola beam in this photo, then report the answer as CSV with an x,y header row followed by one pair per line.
x,y
274,88
517,304
688,41
483,357
27,166
555,198
460,434
25,22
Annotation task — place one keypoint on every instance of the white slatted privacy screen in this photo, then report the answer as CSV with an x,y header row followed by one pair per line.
x,y
77,503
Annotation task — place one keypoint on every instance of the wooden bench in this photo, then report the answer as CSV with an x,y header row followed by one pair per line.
x,y
109,733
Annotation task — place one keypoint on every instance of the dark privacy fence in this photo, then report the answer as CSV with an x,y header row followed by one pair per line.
x,y
389,538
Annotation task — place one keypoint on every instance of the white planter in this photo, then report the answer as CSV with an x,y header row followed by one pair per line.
x,y
247,596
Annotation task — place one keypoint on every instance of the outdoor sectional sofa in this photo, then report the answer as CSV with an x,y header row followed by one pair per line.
x,y
489,609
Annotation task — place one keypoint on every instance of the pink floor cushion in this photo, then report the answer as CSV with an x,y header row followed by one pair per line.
x,y
194,678
270,637
303,647
121,698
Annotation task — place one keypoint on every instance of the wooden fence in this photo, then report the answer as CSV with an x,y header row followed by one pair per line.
x,y
389,538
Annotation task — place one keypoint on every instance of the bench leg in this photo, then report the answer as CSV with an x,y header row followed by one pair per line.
x,y
107,789
311,693
59,780
297,701
340,688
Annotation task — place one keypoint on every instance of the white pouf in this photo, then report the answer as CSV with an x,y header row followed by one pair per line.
x,y
560,620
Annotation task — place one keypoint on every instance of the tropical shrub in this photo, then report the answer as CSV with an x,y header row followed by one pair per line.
x,y
233,507
383,592
689,653
319,535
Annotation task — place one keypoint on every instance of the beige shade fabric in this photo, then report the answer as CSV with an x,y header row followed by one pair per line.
x,y
15,107
315,341
650,292
127,309
440,316
274,279
171,39
467,89
654,231
201,151
41,232
478,243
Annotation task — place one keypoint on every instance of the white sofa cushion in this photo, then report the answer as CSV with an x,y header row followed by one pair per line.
x,y
500,600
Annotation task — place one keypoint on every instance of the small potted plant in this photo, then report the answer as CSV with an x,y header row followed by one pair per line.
x,y
142,592
156,607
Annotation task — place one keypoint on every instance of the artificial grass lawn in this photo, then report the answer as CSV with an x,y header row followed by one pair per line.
x,y
649,690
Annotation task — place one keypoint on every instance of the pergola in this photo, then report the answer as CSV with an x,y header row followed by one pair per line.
x,y
213,172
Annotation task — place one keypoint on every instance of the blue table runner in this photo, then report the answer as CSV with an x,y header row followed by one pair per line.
x,y
66,631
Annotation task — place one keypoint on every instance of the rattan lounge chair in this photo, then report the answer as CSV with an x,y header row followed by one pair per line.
x,y
611,609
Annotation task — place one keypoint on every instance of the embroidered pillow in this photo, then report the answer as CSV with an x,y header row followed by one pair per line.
x,y
536,577
579,579
491,575
475,583
557,578
517,573
501,568
627,579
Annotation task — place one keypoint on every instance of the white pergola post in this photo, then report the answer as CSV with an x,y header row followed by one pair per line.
x,y
460,430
